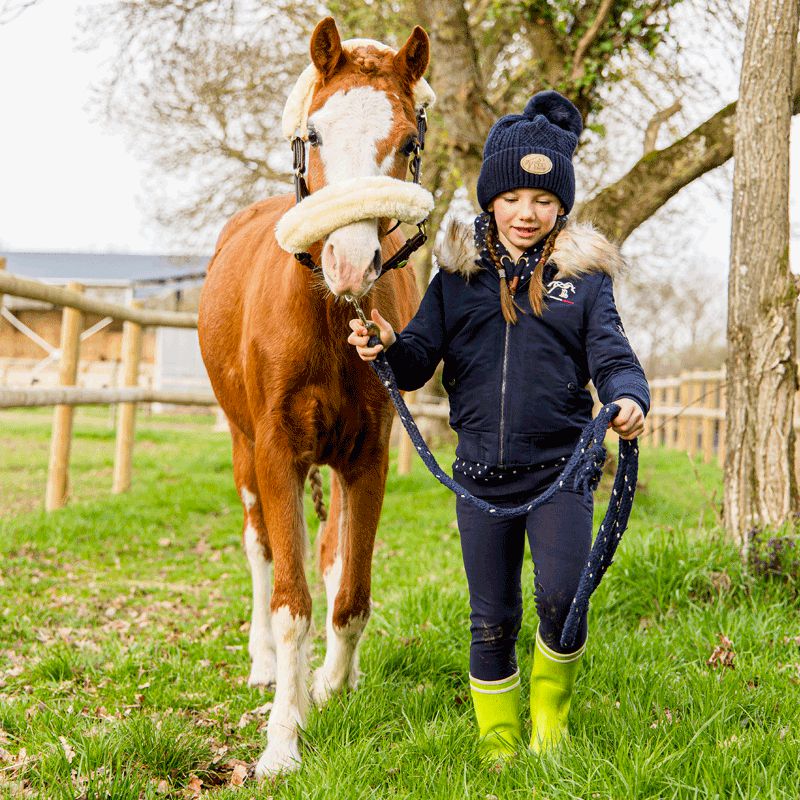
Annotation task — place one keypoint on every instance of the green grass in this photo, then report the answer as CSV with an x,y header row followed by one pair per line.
x,y
123,643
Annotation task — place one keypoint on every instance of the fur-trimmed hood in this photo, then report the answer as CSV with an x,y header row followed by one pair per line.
x,y
580,249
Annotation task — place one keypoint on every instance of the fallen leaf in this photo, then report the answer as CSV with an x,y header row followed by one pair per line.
x,y
195,786
723,654
68,751
238,775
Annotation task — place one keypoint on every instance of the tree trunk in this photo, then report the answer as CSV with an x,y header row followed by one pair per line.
x,y
760,486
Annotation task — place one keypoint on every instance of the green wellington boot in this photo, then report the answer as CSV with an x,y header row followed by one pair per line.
x,y
552,681
497,711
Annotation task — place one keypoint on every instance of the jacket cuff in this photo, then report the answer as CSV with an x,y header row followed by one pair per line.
x,y
638,391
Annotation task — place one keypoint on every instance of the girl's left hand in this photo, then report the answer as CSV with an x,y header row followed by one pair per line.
x,y
629,422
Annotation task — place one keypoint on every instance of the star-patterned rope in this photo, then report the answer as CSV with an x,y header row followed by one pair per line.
x,y
584,467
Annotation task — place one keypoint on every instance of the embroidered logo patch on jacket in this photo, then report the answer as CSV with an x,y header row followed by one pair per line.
x,y
559,290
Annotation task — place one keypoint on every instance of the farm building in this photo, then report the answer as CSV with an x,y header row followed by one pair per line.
x,y
30,330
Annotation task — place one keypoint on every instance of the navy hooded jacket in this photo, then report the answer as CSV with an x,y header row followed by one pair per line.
x,y
517,392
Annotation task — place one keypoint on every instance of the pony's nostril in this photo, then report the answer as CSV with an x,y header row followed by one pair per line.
x,y
328,255
377,261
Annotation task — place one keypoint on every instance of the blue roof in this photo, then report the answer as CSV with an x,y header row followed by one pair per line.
x,y
99,268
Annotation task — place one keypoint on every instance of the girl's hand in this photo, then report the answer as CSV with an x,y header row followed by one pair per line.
x,y
360,336
629,422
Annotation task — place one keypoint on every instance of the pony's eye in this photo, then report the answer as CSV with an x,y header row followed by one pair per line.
x,y
408,146
313,138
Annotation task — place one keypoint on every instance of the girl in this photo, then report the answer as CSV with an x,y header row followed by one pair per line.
x,y
522,312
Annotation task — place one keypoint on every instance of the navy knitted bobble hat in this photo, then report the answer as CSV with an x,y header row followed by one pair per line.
x,y
532,150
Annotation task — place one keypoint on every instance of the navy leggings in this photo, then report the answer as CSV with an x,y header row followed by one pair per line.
x,y
560,536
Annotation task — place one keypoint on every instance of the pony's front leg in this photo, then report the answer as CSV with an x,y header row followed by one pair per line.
x,y
280,486
348,582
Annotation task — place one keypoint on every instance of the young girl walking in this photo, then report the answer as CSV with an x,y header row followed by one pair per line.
x,y
522,312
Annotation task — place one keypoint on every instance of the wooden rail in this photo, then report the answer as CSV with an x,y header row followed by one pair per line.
x,y
67,396
72,298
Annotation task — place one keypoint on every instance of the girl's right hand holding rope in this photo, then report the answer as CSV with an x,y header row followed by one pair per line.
x,y
359,338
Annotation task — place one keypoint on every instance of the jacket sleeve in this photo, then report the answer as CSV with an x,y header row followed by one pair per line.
x,y
421,344
614,367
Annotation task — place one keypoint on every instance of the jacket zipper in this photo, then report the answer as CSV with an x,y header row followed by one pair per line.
x,y
503,394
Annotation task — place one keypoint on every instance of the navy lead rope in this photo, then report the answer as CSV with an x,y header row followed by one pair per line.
x,y
584,468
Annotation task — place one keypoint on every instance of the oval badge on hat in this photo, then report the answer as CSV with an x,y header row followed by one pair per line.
x,y
536,163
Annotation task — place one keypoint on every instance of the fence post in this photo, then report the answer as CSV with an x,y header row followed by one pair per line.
x,y
683,402
722,421
709,422
61,436
126,416
694,421
406,446
660,397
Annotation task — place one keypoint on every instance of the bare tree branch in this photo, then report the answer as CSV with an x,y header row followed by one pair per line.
x,y
588,37
624,205
654,126
11,9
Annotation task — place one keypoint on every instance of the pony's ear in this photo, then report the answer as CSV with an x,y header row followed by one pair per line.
x,y
411,60
326,47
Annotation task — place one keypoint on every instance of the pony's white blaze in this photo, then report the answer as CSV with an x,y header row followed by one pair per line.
x,y
350,125
261,645
290,705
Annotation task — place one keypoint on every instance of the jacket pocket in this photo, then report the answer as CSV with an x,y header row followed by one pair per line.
x,y
478,446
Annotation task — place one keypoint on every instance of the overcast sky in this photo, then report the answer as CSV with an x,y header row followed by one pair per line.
x,y
71,184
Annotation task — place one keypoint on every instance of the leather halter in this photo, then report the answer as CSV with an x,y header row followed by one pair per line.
x,y
400,258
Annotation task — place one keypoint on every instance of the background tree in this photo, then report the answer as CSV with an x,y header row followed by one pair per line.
x,y
201,84
760,485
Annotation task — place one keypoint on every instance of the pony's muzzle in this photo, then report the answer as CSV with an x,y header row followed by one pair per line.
x,y
351,259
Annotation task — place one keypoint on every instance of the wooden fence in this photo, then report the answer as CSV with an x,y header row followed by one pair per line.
x,y
688,413
68,395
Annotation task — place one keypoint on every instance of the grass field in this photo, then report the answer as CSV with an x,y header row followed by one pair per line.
x,y
123,644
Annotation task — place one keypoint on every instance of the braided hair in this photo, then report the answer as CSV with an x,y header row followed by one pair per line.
x,y
508,304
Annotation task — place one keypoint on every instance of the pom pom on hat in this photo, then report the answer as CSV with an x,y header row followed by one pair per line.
x,y
557,109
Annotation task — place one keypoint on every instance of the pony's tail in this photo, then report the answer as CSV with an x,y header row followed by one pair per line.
x,y
315,479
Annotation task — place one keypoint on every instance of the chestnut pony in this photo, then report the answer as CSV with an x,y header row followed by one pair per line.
x,y
274,340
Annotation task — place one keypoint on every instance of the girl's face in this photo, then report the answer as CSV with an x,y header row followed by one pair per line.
x,y
524,217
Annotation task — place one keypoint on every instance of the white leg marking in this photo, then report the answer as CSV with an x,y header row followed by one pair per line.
x,y
261,645
290,705
340,667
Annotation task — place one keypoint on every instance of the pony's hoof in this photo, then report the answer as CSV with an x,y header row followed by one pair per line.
x,y
321,690
262,673
283,757
354,678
